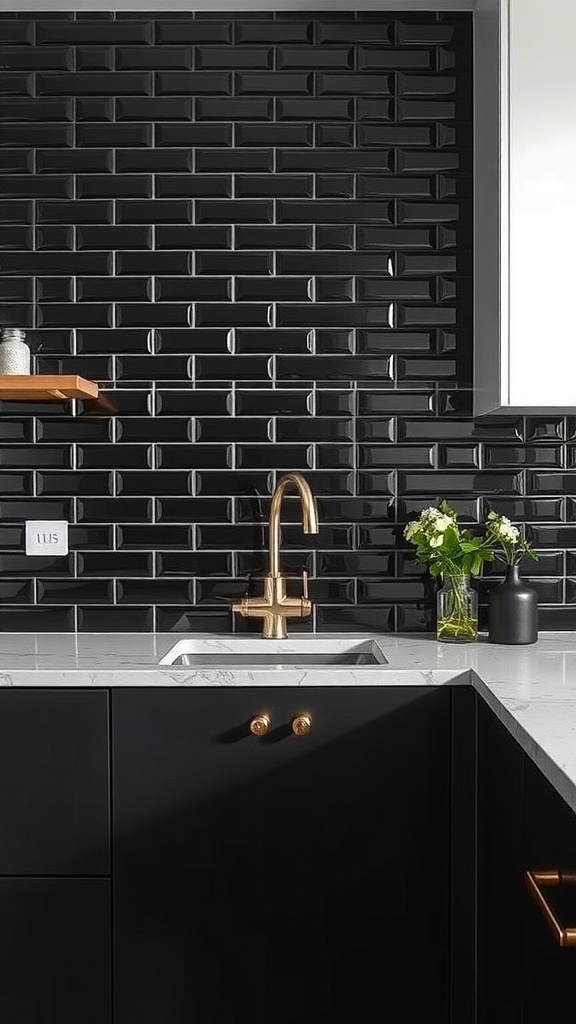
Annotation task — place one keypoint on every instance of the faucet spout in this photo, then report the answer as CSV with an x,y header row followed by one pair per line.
x,y
309,515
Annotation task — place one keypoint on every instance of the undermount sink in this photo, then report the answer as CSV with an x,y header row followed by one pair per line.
x,y
258,653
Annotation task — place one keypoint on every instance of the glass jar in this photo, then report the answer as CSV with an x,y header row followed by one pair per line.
x,y
457,611
14,351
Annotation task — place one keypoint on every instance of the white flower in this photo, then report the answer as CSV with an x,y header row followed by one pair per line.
x,y
502,528
443,523
437,540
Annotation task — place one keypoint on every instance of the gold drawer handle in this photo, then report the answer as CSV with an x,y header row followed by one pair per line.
x,y
538,880
301,725
259,725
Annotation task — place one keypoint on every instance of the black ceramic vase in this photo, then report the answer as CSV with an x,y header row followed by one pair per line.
x,y
513,611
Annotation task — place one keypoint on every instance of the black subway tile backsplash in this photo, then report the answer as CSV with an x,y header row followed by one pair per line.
x,y
254,230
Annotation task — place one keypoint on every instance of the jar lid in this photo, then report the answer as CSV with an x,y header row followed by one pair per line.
x,y
13,334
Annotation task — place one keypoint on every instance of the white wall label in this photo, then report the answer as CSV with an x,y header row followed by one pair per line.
x,y
47,536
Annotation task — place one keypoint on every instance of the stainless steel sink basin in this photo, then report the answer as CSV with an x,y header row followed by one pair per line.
x,y
275,654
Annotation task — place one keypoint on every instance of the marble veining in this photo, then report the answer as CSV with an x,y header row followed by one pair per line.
x,y
531,689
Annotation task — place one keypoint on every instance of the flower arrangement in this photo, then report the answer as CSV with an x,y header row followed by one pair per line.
x,y
507,542
456,553
447,548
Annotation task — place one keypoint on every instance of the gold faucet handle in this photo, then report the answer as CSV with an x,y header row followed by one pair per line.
x,y
305,579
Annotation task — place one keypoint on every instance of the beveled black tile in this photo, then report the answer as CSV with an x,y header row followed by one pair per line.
x,y
253,341
153,481
105,620
96,84
194,564
273,237
88,211
97,456
184,402
57,161
147,58
212,83
258,83
31,58
274,32
46,566
153,109
208,57
152,262
130,160
111,135
192,341
232,429
286,134
231,211
114,563
187,237
194,32
178,289
154,211
16,511
92,32
270,403
113,237
375,619
126,510
252,485
92,186
197,456
193,186
194,510
39,620
233,263
36,134
146,430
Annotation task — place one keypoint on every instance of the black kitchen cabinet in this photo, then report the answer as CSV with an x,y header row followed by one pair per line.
x,y
53,782
55,932
294,879
55,965
524,976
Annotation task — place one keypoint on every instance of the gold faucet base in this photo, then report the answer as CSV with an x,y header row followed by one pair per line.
x,y
274,608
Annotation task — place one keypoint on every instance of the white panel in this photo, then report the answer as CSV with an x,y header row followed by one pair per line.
x,y
542,349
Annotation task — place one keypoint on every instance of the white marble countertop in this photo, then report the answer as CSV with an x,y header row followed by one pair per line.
x,y
531,689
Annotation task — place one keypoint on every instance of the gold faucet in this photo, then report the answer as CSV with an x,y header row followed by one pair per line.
x,y
275,607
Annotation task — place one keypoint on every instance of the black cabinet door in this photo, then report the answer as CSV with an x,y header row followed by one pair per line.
x,y
525,977
55,964
299,880
53,782
549,833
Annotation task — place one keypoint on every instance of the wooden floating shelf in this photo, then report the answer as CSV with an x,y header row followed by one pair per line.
x,y
45,386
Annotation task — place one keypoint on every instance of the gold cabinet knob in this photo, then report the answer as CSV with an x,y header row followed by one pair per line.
x,y
259,725
301,725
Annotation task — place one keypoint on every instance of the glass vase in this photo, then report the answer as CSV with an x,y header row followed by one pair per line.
x,y
457,611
